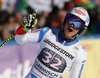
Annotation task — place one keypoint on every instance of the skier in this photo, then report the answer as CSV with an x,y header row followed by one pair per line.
x,y
60,51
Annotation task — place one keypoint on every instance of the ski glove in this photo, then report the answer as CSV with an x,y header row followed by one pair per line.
x,y
29,21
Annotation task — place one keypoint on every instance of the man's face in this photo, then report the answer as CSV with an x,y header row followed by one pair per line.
x,y
69,30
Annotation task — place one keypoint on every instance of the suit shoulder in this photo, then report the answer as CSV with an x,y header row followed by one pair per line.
x,y
55,30
80,48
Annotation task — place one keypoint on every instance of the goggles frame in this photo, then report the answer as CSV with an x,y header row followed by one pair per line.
x,y
77,22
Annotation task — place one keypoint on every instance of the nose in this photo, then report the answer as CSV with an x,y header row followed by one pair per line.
x,y
72,25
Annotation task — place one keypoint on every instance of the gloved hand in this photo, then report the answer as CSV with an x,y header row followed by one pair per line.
x,y
29,21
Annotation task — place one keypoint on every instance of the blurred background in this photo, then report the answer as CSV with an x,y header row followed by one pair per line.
x,y
16,61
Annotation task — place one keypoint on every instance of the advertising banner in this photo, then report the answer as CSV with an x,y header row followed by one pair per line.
x,y
16,61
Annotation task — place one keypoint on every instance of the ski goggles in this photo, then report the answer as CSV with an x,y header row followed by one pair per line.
x,y
78,23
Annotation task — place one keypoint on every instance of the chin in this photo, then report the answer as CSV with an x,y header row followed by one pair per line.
x,y
68,35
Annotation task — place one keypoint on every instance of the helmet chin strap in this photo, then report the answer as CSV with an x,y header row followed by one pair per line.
x,y
68,38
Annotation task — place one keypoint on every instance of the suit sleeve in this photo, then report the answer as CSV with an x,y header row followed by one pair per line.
x,y
31,37
78,66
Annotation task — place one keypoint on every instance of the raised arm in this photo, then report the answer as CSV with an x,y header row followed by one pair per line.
x,y
34,36
26,36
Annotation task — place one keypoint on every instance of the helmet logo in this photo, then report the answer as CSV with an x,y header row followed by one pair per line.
x,y
79,12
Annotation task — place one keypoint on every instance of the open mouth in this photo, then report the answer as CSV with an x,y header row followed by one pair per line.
x,y
70,30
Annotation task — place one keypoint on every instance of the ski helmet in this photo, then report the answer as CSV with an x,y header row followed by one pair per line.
x,y
81,13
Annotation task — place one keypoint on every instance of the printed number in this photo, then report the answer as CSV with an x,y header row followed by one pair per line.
x,y
47,57
53,65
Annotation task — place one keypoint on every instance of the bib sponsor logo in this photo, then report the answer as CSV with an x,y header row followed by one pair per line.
x,y
59,49
80,73
44,71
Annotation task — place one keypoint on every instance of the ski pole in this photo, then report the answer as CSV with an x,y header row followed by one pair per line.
x,y
34,14
11,37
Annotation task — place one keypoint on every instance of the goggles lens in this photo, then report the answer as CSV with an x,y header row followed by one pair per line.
x,y
78,23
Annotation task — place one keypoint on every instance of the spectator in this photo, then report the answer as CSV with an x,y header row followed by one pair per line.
x,y
61,14
8,5
91,28
9,28
3,17
53,22
97,24
18,18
